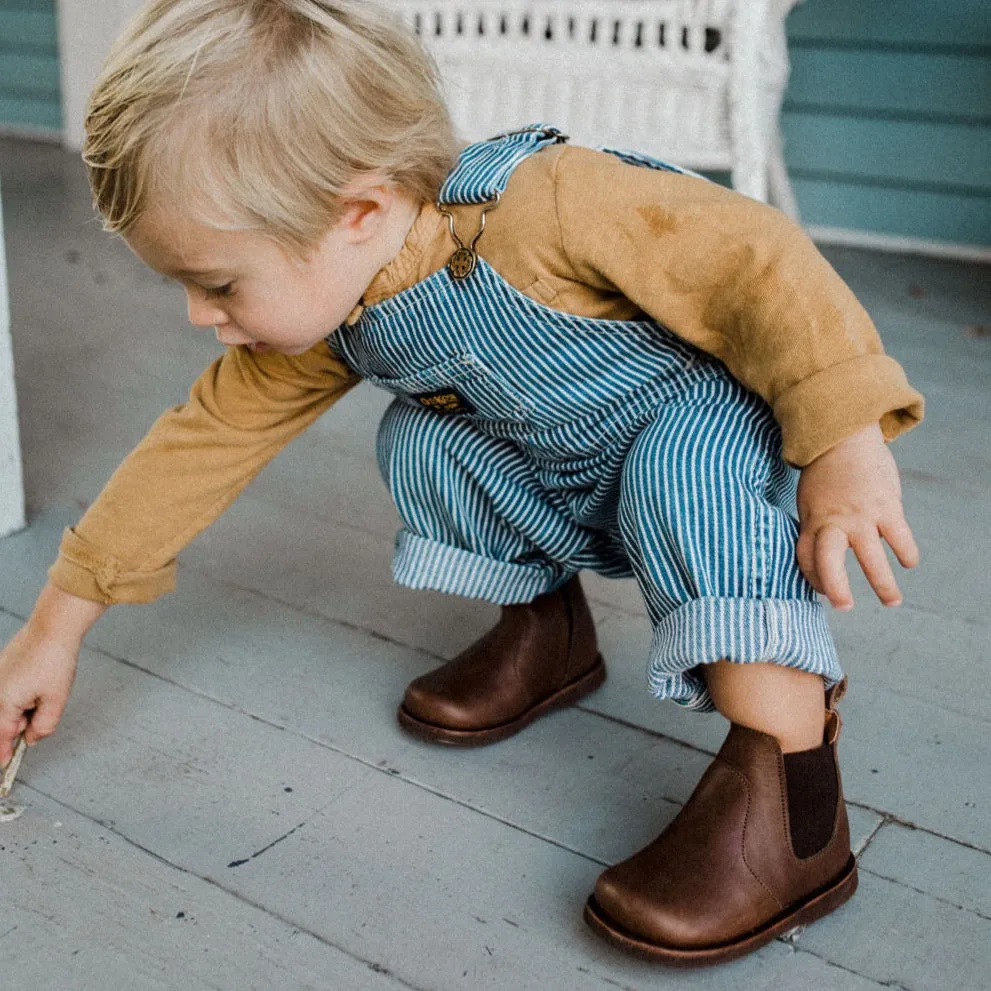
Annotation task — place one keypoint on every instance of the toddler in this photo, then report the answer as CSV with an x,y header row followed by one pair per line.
x,y
598,362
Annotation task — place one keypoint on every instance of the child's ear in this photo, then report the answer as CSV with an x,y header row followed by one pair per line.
x,y
367,203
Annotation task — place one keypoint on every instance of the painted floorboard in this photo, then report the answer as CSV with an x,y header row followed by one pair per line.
x,y
83,908
904,939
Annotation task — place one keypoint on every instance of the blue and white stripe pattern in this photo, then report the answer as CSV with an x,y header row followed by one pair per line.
x,y
572,443
482,170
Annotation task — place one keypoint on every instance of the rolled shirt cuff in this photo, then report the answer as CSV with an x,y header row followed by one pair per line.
x,y
820,411
84,571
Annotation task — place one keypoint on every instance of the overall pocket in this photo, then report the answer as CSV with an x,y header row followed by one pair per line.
x,y
459,385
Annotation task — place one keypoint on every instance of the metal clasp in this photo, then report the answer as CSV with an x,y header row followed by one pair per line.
x,y
464,260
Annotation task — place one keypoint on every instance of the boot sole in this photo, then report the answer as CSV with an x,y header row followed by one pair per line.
x,y
819,904
565,696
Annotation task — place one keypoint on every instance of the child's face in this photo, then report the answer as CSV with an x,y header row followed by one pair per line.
x,y
252,291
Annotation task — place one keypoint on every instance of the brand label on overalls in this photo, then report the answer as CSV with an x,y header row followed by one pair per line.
x,y
445,401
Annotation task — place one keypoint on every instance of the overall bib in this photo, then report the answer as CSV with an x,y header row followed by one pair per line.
x,y
526,444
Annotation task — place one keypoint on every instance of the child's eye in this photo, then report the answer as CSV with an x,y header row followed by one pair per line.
x,y
220,292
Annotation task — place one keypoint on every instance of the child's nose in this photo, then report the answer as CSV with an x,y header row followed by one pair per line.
x,y
203,312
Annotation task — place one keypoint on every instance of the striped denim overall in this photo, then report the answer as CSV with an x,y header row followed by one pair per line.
x,y
526,444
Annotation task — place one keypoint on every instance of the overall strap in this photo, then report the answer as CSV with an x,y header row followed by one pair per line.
x,y
648,161
483,169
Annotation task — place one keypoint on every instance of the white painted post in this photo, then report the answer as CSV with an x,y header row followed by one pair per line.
x,y
11,477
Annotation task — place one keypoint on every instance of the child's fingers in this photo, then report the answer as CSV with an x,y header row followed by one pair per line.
x,y
901,541
805,552
830,553
12,723
44,720
877,568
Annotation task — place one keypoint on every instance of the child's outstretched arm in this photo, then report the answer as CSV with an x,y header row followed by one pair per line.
x,y
38,665
188,469
850,497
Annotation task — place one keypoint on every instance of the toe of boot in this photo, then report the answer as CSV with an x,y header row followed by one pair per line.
x,y
423,701
638,909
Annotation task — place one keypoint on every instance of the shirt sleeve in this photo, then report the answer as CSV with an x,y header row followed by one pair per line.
x,y
190,467
739,280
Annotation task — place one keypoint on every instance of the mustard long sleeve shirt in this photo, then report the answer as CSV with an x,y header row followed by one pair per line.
x,y
579,231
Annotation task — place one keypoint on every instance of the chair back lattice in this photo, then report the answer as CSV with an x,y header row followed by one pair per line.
x,y
698,82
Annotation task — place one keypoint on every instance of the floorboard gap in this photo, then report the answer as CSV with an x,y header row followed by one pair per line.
x,y
927,894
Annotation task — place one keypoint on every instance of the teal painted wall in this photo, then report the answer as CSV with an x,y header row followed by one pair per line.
x,y
29,66
886,117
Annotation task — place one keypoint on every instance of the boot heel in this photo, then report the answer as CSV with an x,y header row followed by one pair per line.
x,y
829,900
582,685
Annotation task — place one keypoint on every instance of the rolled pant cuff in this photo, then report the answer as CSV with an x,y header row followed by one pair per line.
x,y
426,564
789,632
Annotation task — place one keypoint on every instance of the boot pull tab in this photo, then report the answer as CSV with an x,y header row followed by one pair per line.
x,y
833,721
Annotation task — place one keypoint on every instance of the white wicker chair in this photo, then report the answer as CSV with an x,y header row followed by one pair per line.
x,y
696,82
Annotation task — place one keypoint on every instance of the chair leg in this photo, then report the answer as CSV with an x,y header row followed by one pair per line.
x,y
782,195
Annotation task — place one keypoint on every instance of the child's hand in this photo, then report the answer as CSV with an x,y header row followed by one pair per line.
x,y
37,667
851,497
36,675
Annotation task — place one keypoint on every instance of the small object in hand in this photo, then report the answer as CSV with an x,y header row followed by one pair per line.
x,y
10,771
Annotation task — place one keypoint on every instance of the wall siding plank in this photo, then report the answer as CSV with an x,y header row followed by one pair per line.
x,y
900,83
956,157
43,115
28,31
29,75
898,23
898,212
42,6
30,84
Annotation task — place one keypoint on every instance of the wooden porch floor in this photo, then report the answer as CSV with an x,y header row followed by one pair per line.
x,y
230,804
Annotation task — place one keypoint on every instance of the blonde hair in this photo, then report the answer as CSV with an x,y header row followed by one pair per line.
x,y
258,114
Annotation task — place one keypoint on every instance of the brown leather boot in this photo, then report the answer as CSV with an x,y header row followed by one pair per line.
x,y
724,879
539,656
